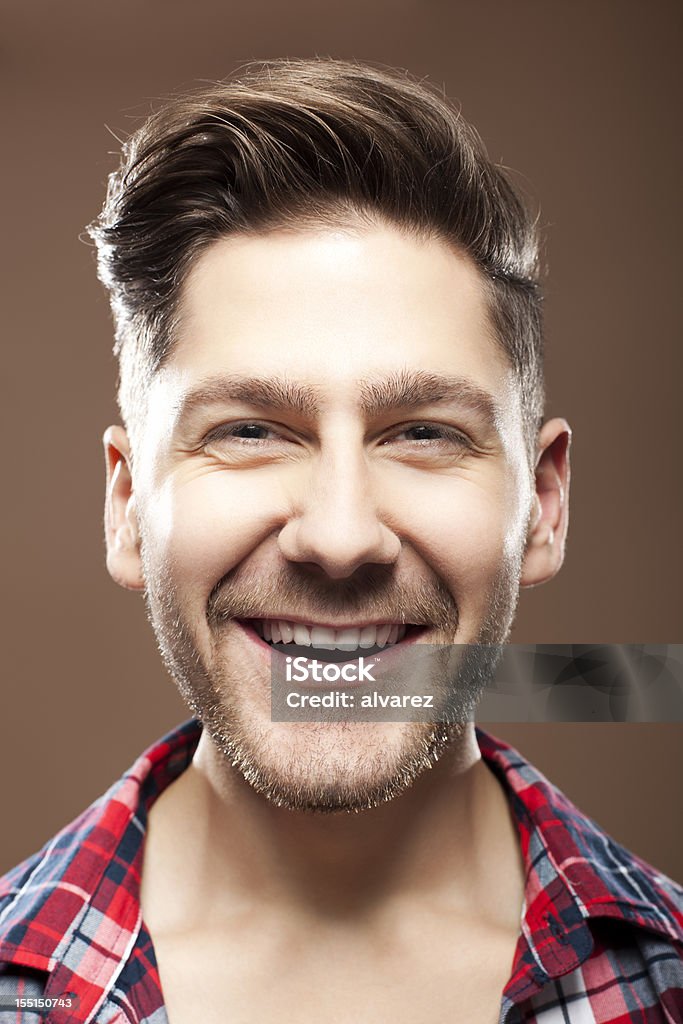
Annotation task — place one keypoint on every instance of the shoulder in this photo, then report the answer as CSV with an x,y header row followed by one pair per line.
x,y
70,915
597,922
605,879
41,898
88,874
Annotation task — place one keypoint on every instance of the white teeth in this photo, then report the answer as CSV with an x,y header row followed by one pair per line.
x,y
383,634
302,635
280,631
368,636
286,631
323,637
349,637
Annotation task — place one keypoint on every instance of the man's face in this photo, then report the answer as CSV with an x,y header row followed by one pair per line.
x,y
335,444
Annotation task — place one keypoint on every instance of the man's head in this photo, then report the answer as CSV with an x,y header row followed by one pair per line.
x,y
329,332
309,143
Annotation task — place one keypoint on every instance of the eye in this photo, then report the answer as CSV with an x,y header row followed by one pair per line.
x,y
250,431
241,432
430,435
244,443
424,432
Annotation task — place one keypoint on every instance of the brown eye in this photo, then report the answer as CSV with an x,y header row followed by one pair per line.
x,y
424,432
250,431
239,432
430,432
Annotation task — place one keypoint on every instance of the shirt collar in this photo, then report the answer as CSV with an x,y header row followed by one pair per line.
x,y
575,875
73,910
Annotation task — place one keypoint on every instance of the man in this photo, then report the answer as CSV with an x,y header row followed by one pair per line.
x,y
328,325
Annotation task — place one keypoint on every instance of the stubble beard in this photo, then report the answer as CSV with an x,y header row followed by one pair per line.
x,y
322,767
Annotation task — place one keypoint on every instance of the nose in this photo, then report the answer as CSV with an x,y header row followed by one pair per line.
x,y
336,525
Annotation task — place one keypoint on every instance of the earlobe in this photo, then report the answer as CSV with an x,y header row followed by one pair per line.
x,y
548,520
120,517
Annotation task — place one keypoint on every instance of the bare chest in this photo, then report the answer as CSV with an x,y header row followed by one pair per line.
x,y
262,978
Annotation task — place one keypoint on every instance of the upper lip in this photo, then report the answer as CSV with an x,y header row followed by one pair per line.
x,y
327,624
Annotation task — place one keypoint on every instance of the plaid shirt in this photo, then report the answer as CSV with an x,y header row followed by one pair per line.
x,y
601,938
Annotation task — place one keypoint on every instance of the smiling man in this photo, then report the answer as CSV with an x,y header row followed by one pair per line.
x,y
328,324
333,452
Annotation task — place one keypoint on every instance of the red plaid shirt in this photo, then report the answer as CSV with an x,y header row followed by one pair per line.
x,y
601,937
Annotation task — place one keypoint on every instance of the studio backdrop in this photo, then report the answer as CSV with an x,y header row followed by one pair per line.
x,y
581,101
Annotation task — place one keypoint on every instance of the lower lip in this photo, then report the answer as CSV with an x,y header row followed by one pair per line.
x,y
387,656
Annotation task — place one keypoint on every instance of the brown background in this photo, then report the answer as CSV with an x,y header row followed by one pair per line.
x,y
582,98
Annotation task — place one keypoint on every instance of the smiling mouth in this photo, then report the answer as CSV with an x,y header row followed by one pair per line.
x,y
327,643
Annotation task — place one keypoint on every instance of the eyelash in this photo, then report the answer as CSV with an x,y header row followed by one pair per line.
x,y
448,434
228,431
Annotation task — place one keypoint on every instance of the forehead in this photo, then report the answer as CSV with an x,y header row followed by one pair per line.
x,y
332,307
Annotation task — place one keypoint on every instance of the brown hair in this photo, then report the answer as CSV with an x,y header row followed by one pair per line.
x,y
297,142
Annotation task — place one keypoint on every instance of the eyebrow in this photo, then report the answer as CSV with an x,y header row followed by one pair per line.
x,y
406,389
410,389
268,392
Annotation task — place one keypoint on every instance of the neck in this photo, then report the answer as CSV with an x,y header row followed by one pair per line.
x,y
447,835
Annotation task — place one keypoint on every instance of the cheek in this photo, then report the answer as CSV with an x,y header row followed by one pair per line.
x,y
466,528
199,526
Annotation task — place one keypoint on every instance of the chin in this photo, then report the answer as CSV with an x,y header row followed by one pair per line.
x,y
324,767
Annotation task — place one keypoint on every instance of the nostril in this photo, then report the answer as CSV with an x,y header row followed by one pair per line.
x,y
339,549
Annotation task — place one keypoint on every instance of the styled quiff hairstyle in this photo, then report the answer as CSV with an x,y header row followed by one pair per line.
x,y
300,143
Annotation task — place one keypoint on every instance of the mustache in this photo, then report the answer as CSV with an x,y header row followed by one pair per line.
x,y
379,594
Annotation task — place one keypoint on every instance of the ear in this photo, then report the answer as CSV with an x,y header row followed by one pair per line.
x,y
547,530
120,519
